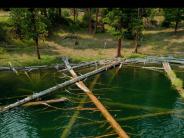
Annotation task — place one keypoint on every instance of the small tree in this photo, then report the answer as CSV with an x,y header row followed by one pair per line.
x,y
17,15
114,17
136,25
174,15
32,25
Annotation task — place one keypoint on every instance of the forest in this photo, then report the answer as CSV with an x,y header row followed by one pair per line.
x,y
45,33
91,72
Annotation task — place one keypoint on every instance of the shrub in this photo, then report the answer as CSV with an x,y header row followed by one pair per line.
x,y
65,13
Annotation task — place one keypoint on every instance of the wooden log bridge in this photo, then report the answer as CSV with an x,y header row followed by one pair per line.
x,y
99,105
59,86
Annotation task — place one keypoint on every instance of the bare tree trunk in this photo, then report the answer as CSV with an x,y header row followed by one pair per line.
x,y
119,48
97,13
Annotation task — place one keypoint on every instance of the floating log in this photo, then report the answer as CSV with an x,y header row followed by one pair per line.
x,y
99,105
59,86
176,82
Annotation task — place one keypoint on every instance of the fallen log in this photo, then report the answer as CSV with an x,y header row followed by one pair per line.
x,y
31,68
176,82
83,65
99,105
58,67
155,59
59,86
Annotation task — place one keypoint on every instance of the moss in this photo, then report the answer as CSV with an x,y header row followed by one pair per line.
x,y
176,82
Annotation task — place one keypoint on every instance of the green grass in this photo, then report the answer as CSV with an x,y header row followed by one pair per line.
x,y
156,41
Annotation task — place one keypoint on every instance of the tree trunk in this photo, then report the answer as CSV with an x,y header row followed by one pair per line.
x,y
119,48
97,12
37,48
136,43
90,24
176,27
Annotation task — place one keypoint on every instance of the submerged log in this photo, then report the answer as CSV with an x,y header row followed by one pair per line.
x,y
176,82
99,105
73,119
59,86
46,102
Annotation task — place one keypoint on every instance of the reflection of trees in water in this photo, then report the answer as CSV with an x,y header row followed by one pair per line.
x,y
38,81
17,124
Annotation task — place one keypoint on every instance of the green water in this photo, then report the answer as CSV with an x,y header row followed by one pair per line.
x,y
132,96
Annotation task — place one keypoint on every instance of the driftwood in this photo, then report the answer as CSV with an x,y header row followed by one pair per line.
x,y
176,82
59,86
99,105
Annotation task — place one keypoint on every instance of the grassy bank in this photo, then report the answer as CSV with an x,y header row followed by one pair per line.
x,y
158,42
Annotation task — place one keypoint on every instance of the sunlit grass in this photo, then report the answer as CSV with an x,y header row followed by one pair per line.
x,y
158,41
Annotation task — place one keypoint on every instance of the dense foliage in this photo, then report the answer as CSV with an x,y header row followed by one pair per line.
x,y
173,16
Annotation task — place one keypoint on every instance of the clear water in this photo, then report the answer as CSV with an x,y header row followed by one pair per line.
x,y
142,101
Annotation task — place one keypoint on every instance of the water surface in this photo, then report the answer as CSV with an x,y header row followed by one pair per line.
x,y
142,101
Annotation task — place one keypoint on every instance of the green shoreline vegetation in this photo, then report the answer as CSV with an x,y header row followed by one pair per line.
x,y
155,39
